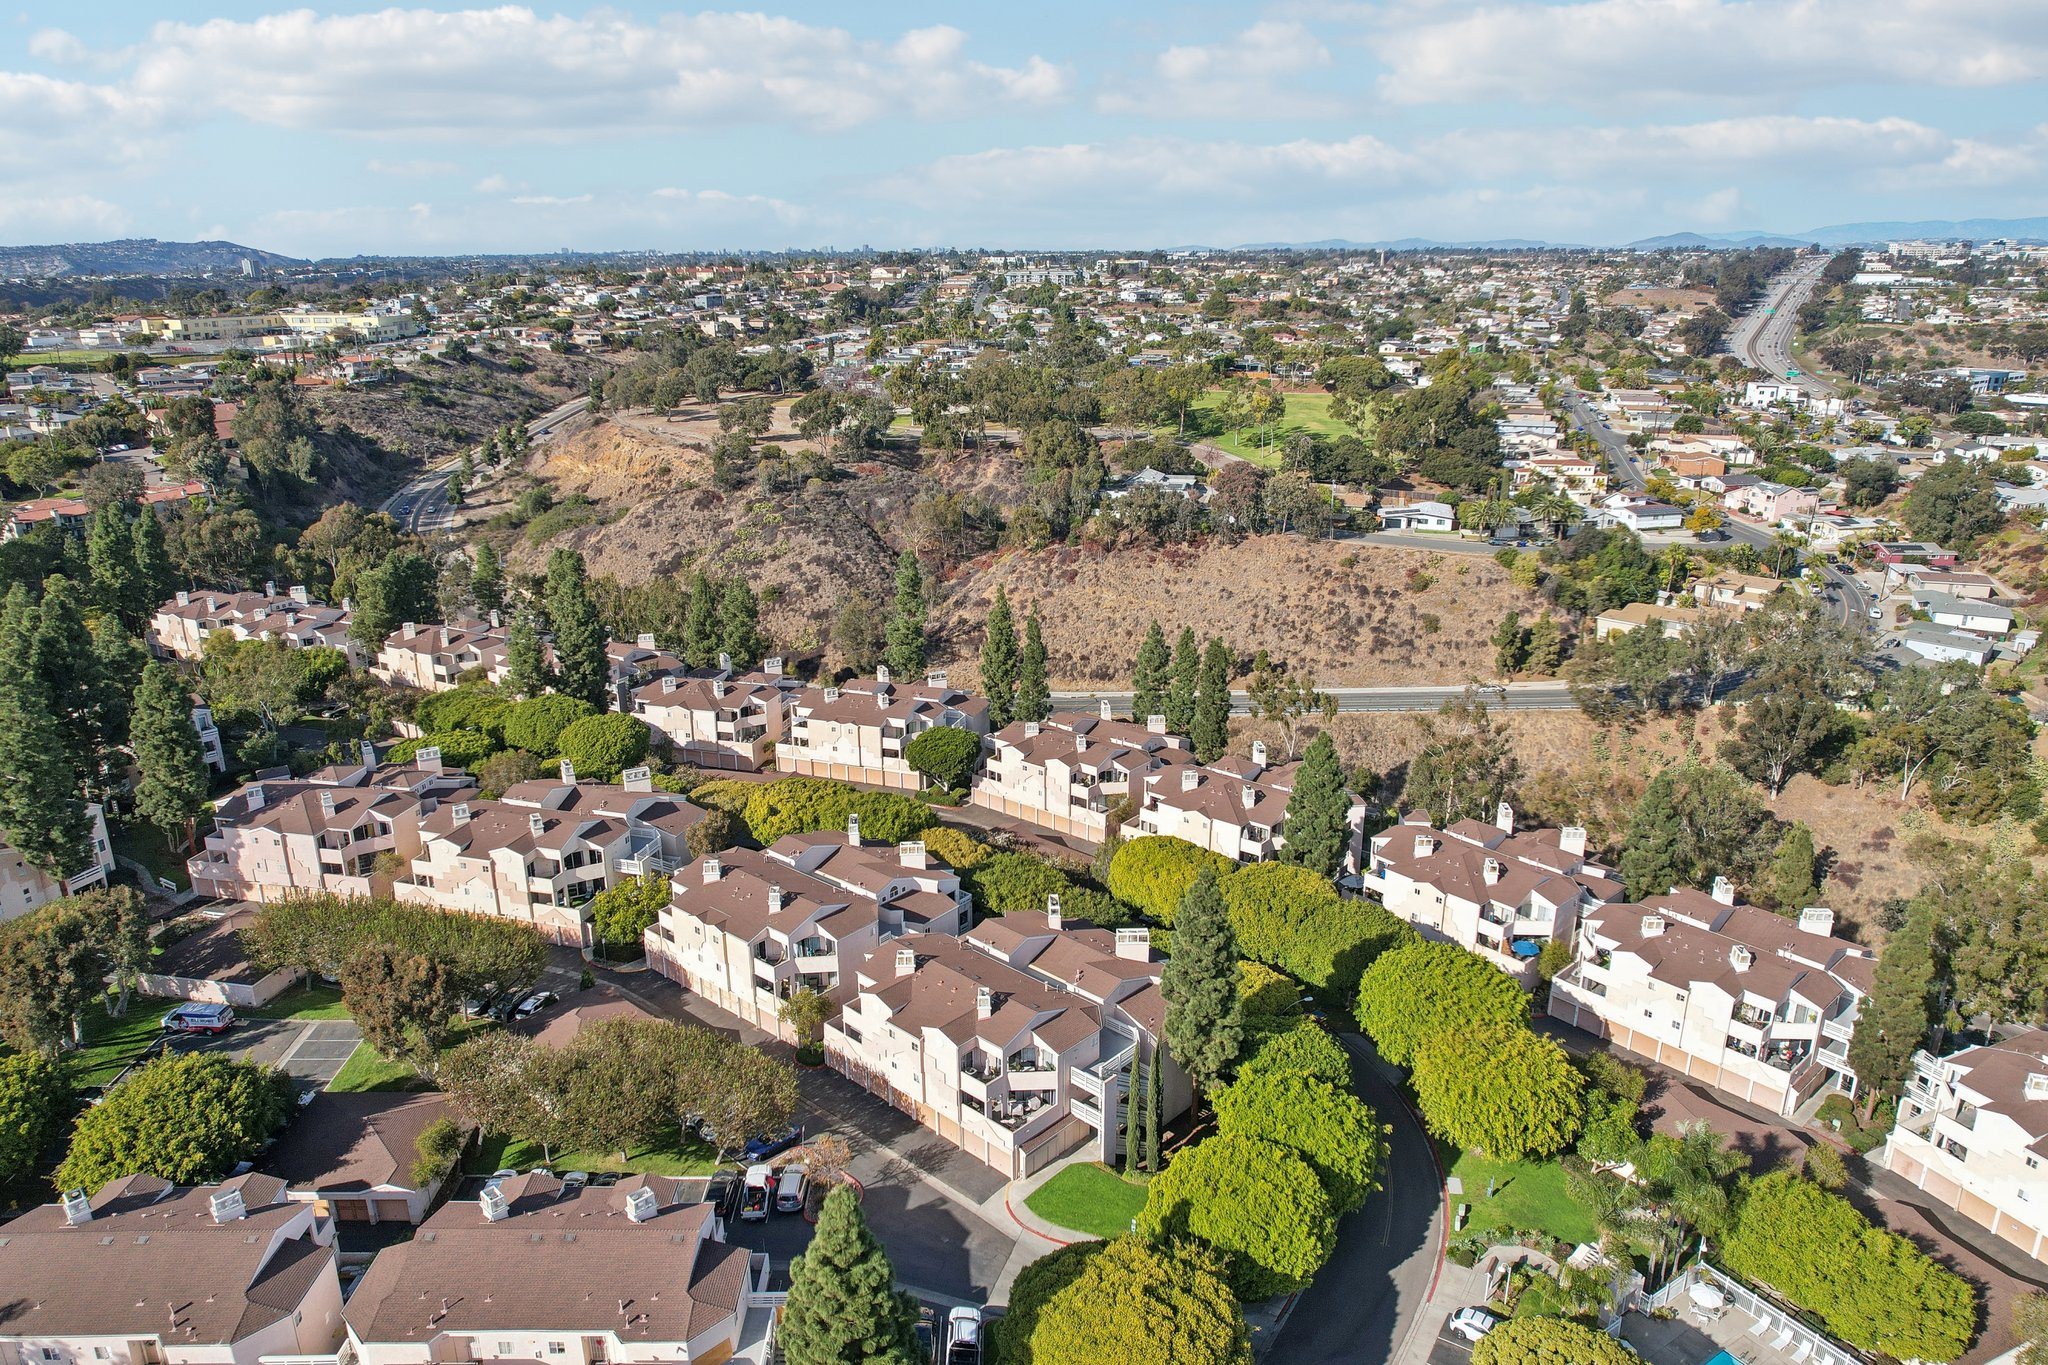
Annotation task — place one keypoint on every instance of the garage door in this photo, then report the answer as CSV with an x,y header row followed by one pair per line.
x,y
392,1210
352,1210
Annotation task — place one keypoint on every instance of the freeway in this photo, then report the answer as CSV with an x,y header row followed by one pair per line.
x,y
422,504
1762,337
1521,696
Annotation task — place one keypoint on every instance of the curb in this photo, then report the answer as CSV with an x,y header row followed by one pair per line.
x,y
1043,1236
860,1193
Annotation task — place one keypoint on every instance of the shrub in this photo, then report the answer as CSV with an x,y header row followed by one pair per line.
x,y
724,793
1550,1341
1154,872
536,724
799,805
464,708
1134,1303
1303,1046
1256,1203
1010,1335
1008,882
1418,990
1292,918
955,848
1328,1127
1501,1089
621,914
459,748
1270,998
603,746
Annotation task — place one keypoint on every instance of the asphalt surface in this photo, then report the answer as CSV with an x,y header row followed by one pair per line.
x,y
1762,337
422,504
1365,1301
1523,696
312,1051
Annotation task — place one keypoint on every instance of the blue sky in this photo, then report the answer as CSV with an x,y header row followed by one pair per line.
x,y
345,128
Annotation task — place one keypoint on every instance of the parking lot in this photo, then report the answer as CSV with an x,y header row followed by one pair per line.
x,y
312,1051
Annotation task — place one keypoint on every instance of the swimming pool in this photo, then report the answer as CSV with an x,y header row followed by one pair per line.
x,y
1722,1358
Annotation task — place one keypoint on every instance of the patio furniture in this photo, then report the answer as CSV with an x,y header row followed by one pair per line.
x,y
1783,1339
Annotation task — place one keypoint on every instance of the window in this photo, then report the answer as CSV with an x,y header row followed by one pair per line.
x,y
2033,1163
100,1353
556,1348
504,1348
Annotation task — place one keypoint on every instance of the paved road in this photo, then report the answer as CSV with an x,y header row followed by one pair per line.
x,y
1522,696
312,1051
422,504
1364,1303
1762,337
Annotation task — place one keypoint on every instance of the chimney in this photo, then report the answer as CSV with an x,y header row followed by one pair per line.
x,y
637,779
212,603
1740,957
459,813
936,678
568,772
853,827
1134,944
77,1208
1155,724
831,694
1572,839
1494,869
774,900
984,1002
1080,743
718,687
270,587
184,598
1259,752
668,683
327,805
1106,713
497,621
1504,817
496,1208
644,641
256,796
882,674
1724,890
1190,778
537,824
1031,729
772,666
1248,795
1817,920
369,753
724,662
226,1206
641,1205
408,630
1053,917
428,759
301,596
713,869
1653,926
1425,845
911,854
906,961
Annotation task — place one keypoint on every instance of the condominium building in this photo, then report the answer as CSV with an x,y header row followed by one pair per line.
x,y
856,732
627,1274
1235,806
1501,893
436,658
26,888
1744,1000
1064,773
1972,1131
721,721
545,849
346,830
747,928
1013,1041
182,626
145,1272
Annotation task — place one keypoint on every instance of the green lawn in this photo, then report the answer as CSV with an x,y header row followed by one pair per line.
x,y
369,1069
111,1044
689,1157
28,358
1088,1198
136,838
315,1001
1527,1194
1309,412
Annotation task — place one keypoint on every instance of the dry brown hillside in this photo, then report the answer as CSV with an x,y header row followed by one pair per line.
x,y
1352,616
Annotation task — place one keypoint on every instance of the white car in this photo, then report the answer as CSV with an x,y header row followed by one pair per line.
x,y
534,1004
1472,1323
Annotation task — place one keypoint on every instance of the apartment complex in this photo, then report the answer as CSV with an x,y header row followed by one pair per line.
x,y
746,928
856,732
720,722
1065,772
1747,1001
1501,893
1013,1041
435,658
1235,806
182,626
26,888
627,1274
545,849
1973,1132
145,1272
300,326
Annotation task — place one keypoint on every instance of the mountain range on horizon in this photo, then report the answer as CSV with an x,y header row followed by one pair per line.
x,y
149,256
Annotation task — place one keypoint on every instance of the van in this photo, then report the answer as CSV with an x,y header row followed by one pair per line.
x,y
757,1194
789,1193
200,1019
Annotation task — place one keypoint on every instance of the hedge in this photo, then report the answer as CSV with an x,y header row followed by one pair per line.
x,y
1153,873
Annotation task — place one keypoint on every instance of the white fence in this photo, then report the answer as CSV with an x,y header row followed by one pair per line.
x,y
1774,1324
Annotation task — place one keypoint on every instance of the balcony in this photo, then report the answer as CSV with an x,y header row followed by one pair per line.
x,y
1097,1077
983,1069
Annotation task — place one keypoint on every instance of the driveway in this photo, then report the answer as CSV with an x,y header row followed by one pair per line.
x,y
311,1050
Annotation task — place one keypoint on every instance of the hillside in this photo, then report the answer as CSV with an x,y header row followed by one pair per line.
x,y
134,256
442,408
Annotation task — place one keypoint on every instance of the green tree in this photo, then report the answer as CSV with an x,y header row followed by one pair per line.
x,y
1302,1047
52,967
1504,1090
110,555
1549,1341
999,662
1511,645
1466,768
1788,883
527,673
946,754
1422,990
1329,1128
487,580
1211,729
903,641
1126,1302
1317,831
35,1100
602,747
1155,873
171,790
1546,645
185,1117
1034,700
398,591
1954,505
844,1307
1292,918
1152,676
1783,730
1183,683
41,812
1204,1015
403,1002
1257,1204
536,724
620,914
700,623
1696,822
799,805
435,1152
1896,1019
739,625
585,672
1009,1336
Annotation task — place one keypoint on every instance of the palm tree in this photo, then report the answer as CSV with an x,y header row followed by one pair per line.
x,y
1560,511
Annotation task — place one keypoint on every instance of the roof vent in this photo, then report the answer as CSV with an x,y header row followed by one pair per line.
x,y
496,1208
641,1205
227,1206
77,1208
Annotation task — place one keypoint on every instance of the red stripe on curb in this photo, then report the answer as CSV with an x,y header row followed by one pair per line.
x,y
1443,1240
1034,1231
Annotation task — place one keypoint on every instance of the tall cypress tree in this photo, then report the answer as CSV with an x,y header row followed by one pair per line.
x,y
999,662
1151,676
110,559
1211,729
526,666
65,673
1317,832
844,1307
1034,700
903,638
1152,1084
172,789
1899,1014
487,580
154,572
739,625
1204,1013
1134,1117
579,634
40,810
1187,677
700,623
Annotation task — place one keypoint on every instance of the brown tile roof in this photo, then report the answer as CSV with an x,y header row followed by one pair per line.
x,y
353,1141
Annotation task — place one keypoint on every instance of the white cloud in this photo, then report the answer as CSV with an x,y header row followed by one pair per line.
x,y
55,217
1621,49
508,73
1254,74
1815,148
495,184
552,200
410,169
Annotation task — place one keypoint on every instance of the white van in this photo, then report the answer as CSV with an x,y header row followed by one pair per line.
x,y
789,1193
758,1194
